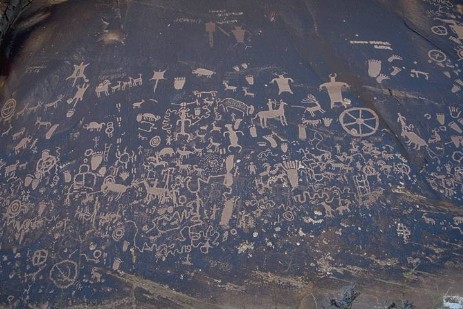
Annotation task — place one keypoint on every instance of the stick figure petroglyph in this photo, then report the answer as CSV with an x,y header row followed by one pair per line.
x,y
78,73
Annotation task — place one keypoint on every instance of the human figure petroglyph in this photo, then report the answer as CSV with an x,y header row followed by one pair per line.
x,y
283,83
79,94
183,114
78,73
233,137
274,113
335,89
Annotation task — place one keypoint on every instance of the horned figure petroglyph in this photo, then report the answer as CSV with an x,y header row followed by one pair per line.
x,y
110,185
153,191
315,105
412,139
273,113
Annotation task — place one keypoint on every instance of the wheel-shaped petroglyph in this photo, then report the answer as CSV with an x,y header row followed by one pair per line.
x,y
64,273
39,257
439,30
437,55
8,109
359,121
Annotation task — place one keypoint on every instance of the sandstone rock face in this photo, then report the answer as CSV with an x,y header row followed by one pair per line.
x,y
172,154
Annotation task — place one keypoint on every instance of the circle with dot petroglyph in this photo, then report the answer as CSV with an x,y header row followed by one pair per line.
x,y
64,273
14,209
359,121
118,233
8,109
155,141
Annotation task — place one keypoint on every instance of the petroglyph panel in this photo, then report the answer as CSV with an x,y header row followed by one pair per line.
x,y
215,146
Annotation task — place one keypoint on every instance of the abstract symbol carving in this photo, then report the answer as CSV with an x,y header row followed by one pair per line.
x,y
64,273
8,108
39,257
359,121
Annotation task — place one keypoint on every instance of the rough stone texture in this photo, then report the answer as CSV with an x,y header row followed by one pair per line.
x,y
232,154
